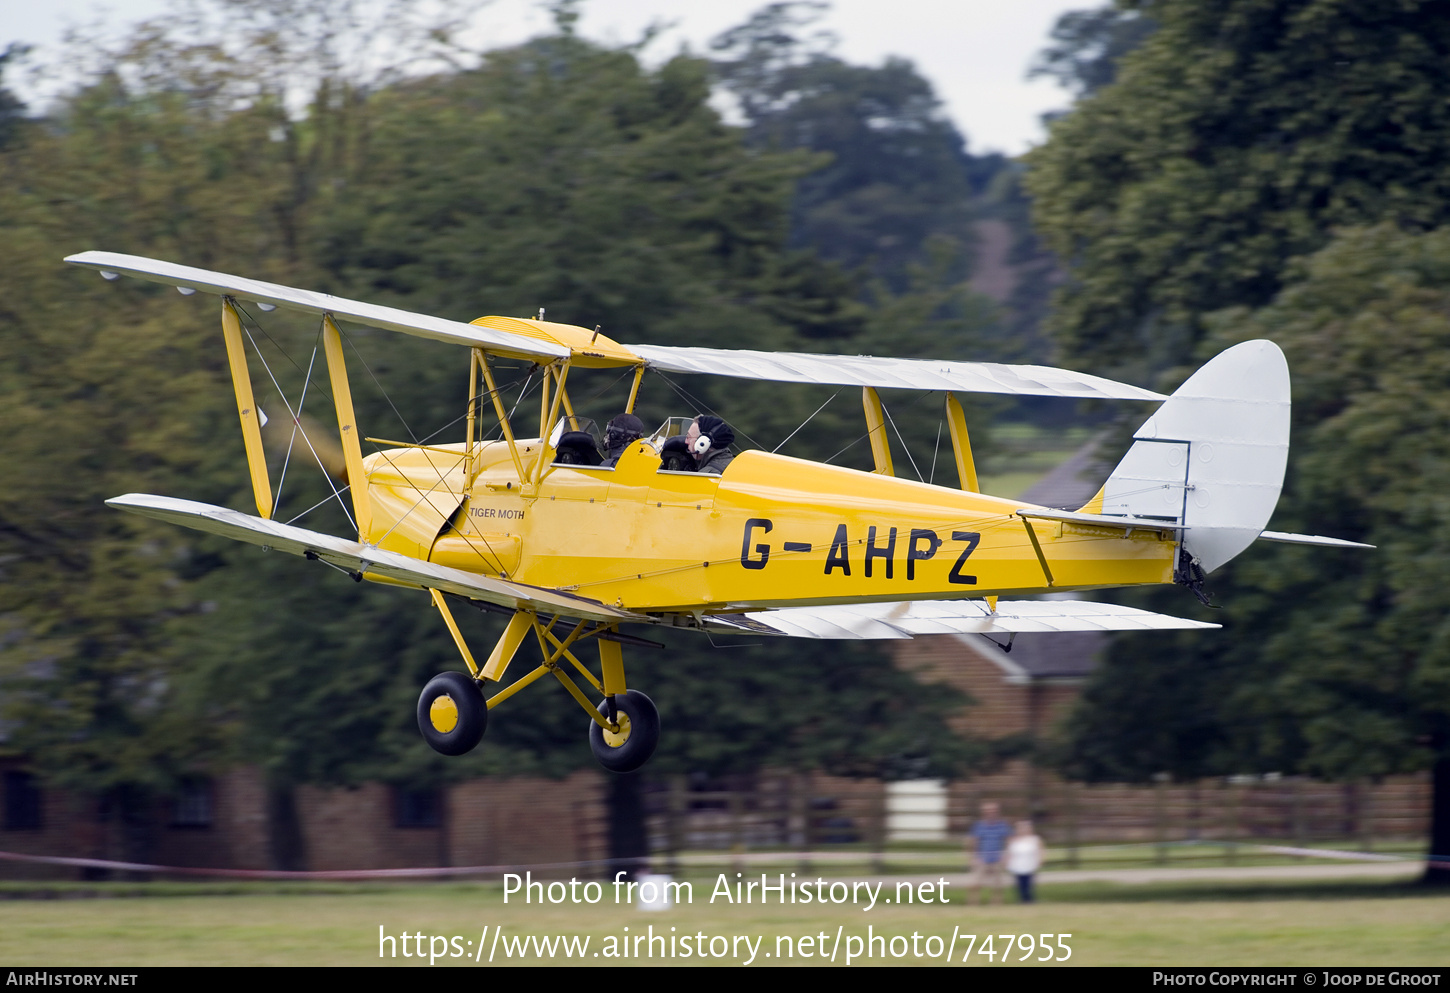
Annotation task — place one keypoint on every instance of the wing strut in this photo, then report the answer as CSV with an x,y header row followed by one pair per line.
x,y
634,389
347,427
962,445
503,417
470,472
247,408
876,427
442,606
548,414
1037,547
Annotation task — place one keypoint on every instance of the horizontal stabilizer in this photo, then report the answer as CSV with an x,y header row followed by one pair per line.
x,y
884,373
907,619
1310,539
361,559
272,295
1103,520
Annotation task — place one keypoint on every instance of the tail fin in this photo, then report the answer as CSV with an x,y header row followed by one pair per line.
x,y
1212,457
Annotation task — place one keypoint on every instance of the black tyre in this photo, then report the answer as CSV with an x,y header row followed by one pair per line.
x,y
639,733
452,714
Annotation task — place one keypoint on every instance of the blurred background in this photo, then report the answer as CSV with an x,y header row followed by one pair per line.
x,y
1124,190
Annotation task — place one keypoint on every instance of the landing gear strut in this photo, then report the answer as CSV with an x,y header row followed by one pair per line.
x,y
624,729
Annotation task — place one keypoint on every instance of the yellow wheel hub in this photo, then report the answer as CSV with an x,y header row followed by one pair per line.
x,y
443,714
616,739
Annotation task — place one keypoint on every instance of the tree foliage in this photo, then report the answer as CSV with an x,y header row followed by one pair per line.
x,y
1204,197
894,174
1237,135
1087,46
1332,663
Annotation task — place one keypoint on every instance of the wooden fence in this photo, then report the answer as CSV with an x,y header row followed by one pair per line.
x,y
812,812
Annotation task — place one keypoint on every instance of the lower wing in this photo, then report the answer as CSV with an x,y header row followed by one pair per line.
x,y
364,560
907,619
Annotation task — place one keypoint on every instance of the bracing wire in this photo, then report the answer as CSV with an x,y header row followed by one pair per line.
x,y
702,408
478,409
297,422
866,434
285,354
319,503
522,393
379,385
805,422
342,503
904,448
934,452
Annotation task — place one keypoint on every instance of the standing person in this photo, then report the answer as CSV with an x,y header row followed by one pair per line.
x,y
1024,858
986,842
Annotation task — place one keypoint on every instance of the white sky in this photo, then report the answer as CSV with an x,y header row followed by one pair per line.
x,y
975,52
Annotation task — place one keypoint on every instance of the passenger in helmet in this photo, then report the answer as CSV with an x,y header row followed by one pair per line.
x,y
618,433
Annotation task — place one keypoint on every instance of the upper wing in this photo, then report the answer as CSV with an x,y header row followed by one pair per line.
x,y
540,341
905,374
364,559
498,342
906,619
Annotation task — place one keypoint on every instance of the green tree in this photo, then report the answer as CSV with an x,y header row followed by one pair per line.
x,y
1239,134
1331,663
115,388
108,389
1087,46
895,173
12,108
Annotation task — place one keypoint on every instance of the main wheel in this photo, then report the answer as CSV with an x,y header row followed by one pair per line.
x,y
639,733
452,713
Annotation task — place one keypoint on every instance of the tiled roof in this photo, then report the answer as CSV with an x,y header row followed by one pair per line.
x,y
1071,484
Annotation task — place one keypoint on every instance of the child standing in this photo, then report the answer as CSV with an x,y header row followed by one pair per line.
x,y
1024,858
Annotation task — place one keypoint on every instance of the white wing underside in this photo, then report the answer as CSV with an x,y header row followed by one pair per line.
x,y
1311,539
887,373
908,619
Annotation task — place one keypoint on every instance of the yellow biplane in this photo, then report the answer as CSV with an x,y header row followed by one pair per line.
x,y
574,549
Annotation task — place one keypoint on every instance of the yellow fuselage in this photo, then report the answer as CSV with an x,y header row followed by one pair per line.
x,y
772,531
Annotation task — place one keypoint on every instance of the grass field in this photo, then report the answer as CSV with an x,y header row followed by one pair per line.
x,y
1311,923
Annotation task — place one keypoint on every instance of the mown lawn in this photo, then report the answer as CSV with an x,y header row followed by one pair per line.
x,y
1300,923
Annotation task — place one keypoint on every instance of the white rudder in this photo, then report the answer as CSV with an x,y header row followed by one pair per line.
x,y
1212,457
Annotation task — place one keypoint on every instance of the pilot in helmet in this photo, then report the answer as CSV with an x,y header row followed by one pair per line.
x,y
708,440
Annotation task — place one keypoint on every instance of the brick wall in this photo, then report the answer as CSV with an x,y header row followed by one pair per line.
x,y
1003,707
482,822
